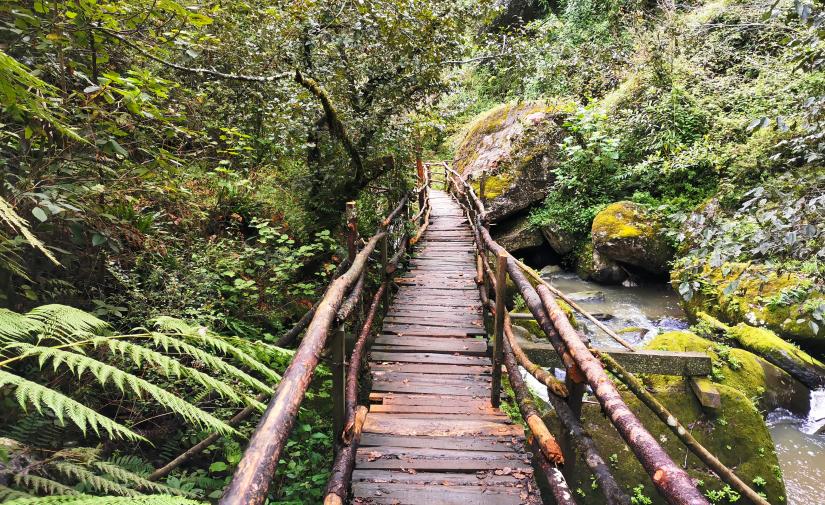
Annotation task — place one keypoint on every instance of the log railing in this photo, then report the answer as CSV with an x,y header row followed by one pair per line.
x,y
251,480
584,366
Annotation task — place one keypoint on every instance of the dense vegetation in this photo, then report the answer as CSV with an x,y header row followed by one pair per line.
x,y
173,175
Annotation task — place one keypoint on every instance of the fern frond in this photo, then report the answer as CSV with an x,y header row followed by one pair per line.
x,y
106,500
66,323
169,342
169,366
136,481
215,342
14,327
106,374
42,485
133,463
28,392
7,493
20,225
92,480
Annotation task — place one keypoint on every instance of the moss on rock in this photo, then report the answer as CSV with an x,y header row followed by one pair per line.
x,y
784,302
592,266
768,385
506,145
738,436
630,233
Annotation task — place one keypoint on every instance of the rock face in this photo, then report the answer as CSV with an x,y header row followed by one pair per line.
x,y
627,232
739,369
516,234
514,147
592,266
784,302
561,242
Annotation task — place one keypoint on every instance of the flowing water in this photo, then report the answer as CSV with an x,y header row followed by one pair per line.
x,y
639,313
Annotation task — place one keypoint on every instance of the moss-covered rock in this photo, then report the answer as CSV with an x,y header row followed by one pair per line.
x,y
756,378
513,147
592,266
737,435
785,302
629,233
767,344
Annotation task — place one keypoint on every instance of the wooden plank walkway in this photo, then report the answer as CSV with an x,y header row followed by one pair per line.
x,y
432,436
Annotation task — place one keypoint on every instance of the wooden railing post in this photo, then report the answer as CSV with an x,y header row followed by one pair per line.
x,y
498,334
339,378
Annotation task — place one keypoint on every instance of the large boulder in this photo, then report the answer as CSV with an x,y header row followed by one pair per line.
x,y
561,242
631,234
592,266
514,148
516,234
789,303
757,379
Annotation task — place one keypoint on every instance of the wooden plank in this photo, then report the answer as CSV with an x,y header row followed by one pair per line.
x,y
469,443
442,428
432,331
435,343
436,459
417,494
438,399
433,358
435,409
706,392
450,479
426,368
420,388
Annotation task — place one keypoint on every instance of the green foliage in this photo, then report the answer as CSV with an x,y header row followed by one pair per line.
x,y
64,335
586,177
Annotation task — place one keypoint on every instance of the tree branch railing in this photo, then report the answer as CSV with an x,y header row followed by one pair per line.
x,y
251,480
584,365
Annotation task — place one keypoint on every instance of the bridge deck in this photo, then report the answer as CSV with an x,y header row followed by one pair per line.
x,y
432,435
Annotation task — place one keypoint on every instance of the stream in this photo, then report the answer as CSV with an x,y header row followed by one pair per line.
x,y
639,313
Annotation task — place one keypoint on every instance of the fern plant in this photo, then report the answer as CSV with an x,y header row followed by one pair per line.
x,y
67,370
64,339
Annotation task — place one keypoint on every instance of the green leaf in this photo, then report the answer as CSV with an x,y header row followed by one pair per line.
x,y
40,214
98,239
218,466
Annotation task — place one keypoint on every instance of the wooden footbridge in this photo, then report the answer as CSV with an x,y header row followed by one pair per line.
x,y
429,429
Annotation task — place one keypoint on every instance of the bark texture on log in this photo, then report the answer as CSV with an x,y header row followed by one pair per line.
x,y
251,480
352,299
537,309
673,483
613,493
289,337
545,440
555,479
355,367
338,484
397,210
638,389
